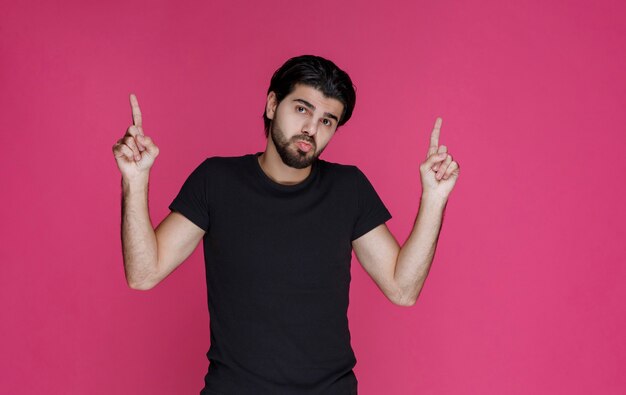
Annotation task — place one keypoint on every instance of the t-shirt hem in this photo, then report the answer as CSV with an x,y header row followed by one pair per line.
x,y
380,219
187,213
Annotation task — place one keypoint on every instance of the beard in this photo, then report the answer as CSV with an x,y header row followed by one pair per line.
x,y
294,157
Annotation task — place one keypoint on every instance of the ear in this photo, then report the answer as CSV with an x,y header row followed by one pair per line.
x,y
270,106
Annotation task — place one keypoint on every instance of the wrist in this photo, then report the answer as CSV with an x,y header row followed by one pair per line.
x,y
433,200
134,185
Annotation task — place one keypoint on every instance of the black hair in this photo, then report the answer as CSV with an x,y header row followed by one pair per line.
x,y
316,72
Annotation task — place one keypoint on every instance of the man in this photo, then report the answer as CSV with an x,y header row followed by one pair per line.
x,y
278,230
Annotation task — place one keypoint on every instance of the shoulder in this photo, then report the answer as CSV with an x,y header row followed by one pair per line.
x,y
215,168
348,175
223,163
340,170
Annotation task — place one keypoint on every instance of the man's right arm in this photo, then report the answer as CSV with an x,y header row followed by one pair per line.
x,y
150,254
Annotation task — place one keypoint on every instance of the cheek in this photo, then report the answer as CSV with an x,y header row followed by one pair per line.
x,y
290,121
323,140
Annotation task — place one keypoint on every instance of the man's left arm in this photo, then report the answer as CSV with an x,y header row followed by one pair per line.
x,y
400,272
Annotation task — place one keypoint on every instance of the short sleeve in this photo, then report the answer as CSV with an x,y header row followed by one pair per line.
x,y
371,211
191,201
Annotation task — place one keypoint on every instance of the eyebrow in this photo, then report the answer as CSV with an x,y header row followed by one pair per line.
x,y
312,107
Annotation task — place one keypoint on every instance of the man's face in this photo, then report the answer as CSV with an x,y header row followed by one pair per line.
x,y
302,124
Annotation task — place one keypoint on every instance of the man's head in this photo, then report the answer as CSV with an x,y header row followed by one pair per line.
x,y
319,73
308,98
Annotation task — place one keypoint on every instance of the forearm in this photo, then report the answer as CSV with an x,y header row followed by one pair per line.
x,y
139,244
417,253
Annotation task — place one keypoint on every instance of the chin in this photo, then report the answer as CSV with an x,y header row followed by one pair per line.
x,y
299,159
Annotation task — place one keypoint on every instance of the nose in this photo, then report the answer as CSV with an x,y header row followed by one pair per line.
x,y
310,127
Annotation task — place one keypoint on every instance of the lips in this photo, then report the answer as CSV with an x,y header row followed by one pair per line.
x,y
304,145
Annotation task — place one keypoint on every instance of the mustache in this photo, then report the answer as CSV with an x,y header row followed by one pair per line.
x,y
305,138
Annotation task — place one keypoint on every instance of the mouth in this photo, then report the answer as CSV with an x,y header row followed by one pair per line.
x,y
304,145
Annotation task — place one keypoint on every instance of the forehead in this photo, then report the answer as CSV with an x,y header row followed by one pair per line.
x,y
317,98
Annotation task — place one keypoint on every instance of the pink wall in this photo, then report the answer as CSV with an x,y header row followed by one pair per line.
x,y
526,294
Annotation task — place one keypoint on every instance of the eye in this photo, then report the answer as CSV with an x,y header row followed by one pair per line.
x,y
327,122
301,109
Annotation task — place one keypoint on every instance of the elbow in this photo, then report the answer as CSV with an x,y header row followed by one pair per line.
x,y
406,302
406,299
141,280
140,286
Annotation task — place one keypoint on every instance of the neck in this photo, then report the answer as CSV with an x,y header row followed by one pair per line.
x,y
274,167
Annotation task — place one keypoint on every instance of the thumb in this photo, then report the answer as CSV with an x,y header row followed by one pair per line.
x,y
149,145
435,158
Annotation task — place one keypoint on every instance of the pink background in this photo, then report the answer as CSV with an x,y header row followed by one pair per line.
x,y
526,294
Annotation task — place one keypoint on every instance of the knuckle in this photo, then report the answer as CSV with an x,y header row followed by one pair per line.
x,y
122,151
132,150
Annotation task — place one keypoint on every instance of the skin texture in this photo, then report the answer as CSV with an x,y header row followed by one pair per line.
x,y
307,115
150,254
400,272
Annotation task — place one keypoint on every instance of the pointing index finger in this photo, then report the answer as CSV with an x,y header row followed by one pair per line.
x,y
134,105
434,137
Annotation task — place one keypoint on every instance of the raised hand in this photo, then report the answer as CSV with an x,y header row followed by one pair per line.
x,y
438,172
135,153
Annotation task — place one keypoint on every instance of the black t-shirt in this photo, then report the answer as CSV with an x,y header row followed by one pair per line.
x,y
277,261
